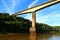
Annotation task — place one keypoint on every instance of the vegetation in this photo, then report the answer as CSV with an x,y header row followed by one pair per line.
x,y
11,24
44,28
57,28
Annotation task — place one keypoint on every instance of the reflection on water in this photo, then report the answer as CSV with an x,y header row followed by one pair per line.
x,y
30,37
14,37
48,36
43,36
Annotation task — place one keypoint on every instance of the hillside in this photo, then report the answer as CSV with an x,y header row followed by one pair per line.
x,y
11,24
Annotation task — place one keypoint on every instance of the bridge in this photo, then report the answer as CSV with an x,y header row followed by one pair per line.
x,y
33,10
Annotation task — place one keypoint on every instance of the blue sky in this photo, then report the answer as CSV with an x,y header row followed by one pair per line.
x,y
49,15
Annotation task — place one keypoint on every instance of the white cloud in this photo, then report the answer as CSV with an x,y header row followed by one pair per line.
x,y
15,2
43,19
51,18
56,15
56,24
10,9
33,3
39,17
29,16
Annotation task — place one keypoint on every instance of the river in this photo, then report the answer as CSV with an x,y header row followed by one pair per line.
x,y
55,36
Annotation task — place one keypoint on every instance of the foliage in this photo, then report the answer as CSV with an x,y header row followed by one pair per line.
x,y
57,28
11,24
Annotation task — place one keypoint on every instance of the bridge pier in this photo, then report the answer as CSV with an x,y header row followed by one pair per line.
x,y
33,28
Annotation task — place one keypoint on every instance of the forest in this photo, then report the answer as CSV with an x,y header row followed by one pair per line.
x,y
12,24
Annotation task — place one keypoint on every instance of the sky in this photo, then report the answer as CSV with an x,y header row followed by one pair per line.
x,y
49,15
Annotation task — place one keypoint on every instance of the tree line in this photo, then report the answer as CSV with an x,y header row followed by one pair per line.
x,y
12,24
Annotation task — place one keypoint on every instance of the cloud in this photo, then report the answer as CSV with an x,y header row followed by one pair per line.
x,y
6,6
14,3
54,7
56,15
29,16
43,19
55,24
10,9
51,18
33,3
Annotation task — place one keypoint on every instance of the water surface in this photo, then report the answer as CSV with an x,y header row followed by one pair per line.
x,y
55,36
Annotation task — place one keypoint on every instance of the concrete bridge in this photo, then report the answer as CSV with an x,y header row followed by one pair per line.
x,y
33,11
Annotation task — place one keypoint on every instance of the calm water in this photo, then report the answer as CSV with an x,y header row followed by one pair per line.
x,y
30,37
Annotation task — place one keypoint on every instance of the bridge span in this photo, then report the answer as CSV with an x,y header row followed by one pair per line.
x,y
33,11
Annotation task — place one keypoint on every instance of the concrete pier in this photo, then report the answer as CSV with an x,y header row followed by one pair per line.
x,y
33,28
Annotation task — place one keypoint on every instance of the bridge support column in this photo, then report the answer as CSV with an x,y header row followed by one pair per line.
x,y
33,28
